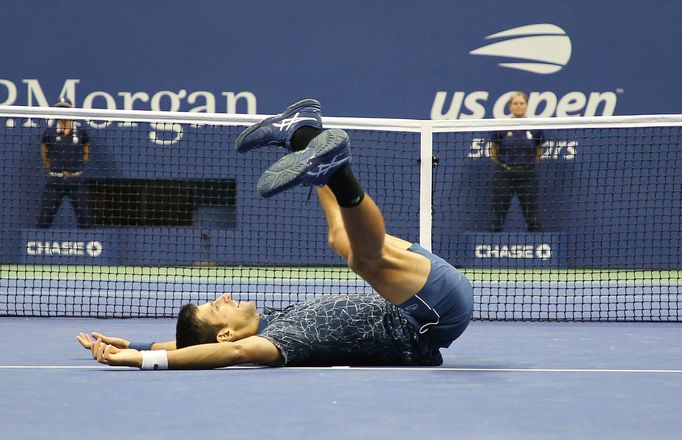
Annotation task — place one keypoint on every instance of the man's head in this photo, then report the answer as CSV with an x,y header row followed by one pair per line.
x,y
222,320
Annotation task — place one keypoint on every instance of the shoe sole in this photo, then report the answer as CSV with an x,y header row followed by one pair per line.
x,y
293,108
293,169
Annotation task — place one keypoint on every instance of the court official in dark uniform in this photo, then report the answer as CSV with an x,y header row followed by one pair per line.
x,y
516,154
65,149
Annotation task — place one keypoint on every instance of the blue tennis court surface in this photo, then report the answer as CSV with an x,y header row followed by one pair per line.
x,y
500,380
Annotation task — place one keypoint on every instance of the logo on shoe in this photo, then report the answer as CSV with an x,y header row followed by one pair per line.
x,y
546,45
287,123
327,167
306,155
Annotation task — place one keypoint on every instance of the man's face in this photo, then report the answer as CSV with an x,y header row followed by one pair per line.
x,y
226,312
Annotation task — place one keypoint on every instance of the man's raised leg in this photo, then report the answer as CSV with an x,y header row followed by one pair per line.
x,y
336,231
337,236
357,234
394,272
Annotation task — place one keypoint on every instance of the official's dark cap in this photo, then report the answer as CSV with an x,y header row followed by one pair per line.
x,y
64,102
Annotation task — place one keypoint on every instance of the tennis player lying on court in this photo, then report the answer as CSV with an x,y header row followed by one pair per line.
x,y
423,304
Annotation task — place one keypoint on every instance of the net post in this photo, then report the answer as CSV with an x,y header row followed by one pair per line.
x,y
425,184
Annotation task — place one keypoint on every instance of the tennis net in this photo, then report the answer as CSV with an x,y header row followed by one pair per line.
x,y
165,212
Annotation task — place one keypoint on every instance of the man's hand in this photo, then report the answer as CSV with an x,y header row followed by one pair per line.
x,y
109,355
87,340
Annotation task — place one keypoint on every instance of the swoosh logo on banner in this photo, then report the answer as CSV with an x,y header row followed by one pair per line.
x,y
539,48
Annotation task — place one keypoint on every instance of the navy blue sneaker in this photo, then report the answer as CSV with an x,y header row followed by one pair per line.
x,y
325,154
278,130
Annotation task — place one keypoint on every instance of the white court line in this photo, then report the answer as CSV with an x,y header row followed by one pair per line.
x,y
405,369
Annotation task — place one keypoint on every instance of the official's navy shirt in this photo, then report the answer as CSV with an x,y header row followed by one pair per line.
x,y
65,152
517,147
350,329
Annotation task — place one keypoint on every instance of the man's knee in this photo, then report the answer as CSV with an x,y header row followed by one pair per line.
x,y
337,237
333,239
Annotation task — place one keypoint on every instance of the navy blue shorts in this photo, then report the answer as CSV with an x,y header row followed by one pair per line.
x,y
442,309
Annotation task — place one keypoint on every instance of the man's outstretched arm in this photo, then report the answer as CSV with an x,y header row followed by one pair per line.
x,y
251,350
86,340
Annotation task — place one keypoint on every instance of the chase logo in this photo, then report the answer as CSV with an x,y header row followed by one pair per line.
x,y
538,48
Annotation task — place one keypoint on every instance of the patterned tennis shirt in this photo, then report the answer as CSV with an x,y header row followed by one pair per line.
x,y
352,329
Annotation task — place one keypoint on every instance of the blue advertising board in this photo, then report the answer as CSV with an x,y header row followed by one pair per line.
x,y
70,246
511,250
433,59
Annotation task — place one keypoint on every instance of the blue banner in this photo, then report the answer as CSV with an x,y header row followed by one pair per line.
x,y
434,59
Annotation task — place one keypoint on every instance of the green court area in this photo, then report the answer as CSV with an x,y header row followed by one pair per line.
x,y
242,273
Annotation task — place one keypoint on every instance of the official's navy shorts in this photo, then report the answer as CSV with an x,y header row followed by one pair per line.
x,y
443,308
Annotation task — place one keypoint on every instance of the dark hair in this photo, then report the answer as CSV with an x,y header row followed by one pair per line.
x,y
190,330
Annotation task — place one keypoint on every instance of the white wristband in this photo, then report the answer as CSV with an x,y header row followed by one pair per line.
x,y
154,360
